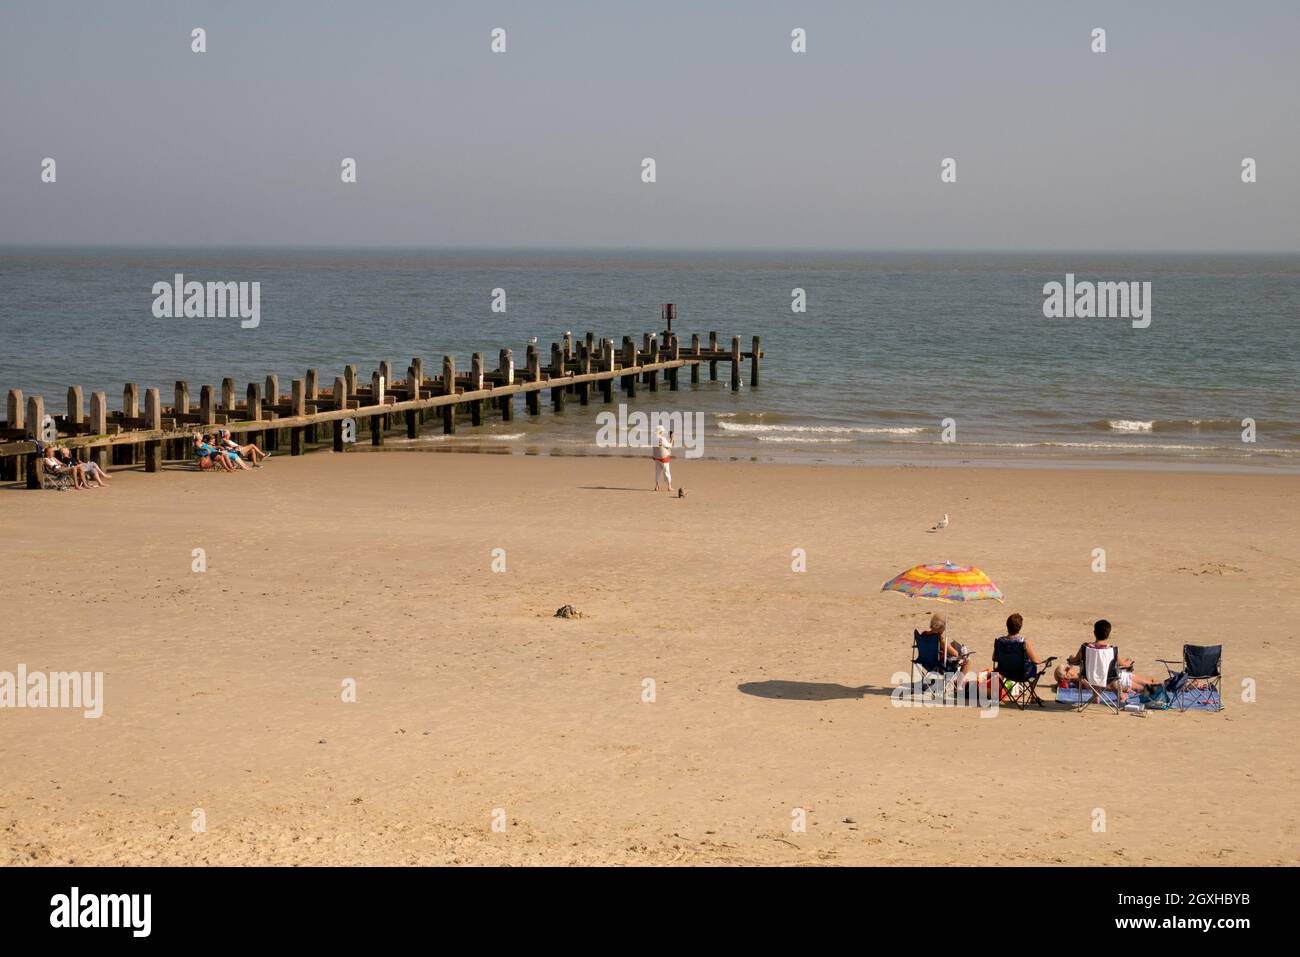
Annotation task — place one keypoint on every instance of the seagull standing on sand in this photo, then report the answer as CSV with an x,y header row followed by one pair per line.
x,y
942,523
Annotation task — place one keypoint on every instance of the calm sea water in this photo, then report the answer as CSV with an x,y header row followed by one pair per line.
x,y
890,345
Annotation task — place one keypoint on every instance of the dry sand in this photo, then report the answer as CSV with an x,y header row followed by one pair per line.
x,y
223,688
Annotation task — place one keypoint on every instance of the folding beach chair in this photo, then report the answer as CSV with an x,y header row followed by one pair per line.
x,y
59,481
930,654
1099,670
1200,677
1011,663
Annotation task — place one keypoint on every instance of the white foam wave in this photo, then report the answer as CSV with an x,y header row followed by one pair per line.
x,y
821,429
1130,425
799,438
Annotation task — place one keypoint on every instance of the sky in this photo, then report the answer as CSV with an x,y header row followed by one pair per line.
x,y
755,146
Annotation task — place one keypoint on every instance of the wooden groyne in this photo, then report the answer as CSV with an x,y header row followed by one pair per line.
x,y
311,414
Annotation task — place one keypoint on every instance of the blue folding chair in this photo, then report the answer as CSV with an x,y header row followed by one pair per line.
x,y
1011,662
1200,678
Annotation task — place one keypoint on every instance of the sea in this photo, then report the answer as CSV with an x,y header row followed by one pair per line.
x,y
869,358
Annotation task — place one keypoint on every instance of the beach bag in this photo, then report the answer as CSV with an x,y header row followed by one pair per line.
x,y
1156,696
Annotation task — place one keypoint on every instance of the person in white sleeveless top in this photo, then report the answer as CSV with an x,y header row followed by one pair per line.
x,y
663,452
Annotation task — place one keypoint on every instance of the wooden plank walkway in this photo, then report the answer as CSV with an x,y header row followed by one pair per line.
x,y
267,416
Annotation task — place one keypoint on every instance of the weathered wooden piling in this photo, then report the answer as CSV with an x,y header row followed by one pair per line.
x,y
99,426
753,363
448,388
377,384
476,385
534,396
735,363
506,376
713,363
556,375
35,425
312,393
695,367
153,423
340,397
130,420
297,407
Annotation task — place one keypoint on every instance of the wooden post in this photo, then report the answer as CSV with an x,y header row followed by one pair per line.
x,y
298,406
568,346
415,383
412,416
449,388
476,384
629,362
35,426
341,397
313,393
735,363
175,448
228,396
695,348
127,454
506,365
753,364
654,357
76,408
99,426
533,398
674,354
557,377
350,381
713,363
254,411
14,465
607,365
271,437
152,421
377,384
207,406
584,367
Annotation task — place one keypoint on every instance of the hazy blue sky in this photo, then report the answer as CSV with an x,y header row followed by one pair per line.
x,y
1056,146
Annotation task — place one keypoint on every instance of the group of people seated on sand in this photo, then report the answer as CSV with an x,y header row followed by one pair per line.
x,y
64,461
1121,680
218,450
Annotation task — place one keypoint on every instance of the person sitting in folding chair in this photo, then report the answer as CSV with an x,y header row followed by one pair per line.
x,y
1016,661
1198,681
937,655
1102,669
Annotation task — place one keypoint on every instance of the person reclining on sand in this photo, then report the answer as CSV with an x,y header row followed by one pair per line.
x,y
249,451
231,456
1014,623
90,469
55,466
208,457
1124,679
950,648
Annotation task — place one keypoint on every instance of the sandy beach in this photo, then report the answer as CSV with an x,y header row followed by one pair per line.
x,y
223,688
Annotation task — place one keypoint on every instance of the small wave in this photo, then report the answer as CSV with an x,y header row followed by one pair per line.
x,y
1129,425
800,438
828,429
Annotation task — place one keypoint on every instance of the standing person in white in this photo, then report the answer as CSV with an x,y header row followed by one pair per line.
x,y
663,451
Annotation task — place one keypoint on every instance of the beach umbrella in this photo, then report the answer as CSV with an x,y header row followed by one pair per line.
x,y
944,581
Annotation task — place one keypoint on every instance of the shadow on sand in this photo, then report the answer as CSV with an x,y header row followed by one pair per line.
x,y
808,690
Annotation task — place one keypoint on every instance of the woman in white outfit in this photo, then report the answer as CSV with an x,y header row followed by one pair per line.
x,y
663,451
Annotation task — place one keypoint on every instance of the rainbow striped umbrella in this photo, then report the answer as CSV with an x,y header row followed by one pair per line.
x,y
944,581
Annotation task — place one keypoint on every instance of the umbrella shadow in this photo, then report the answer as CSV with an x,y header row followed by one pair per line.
x,y
808,690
